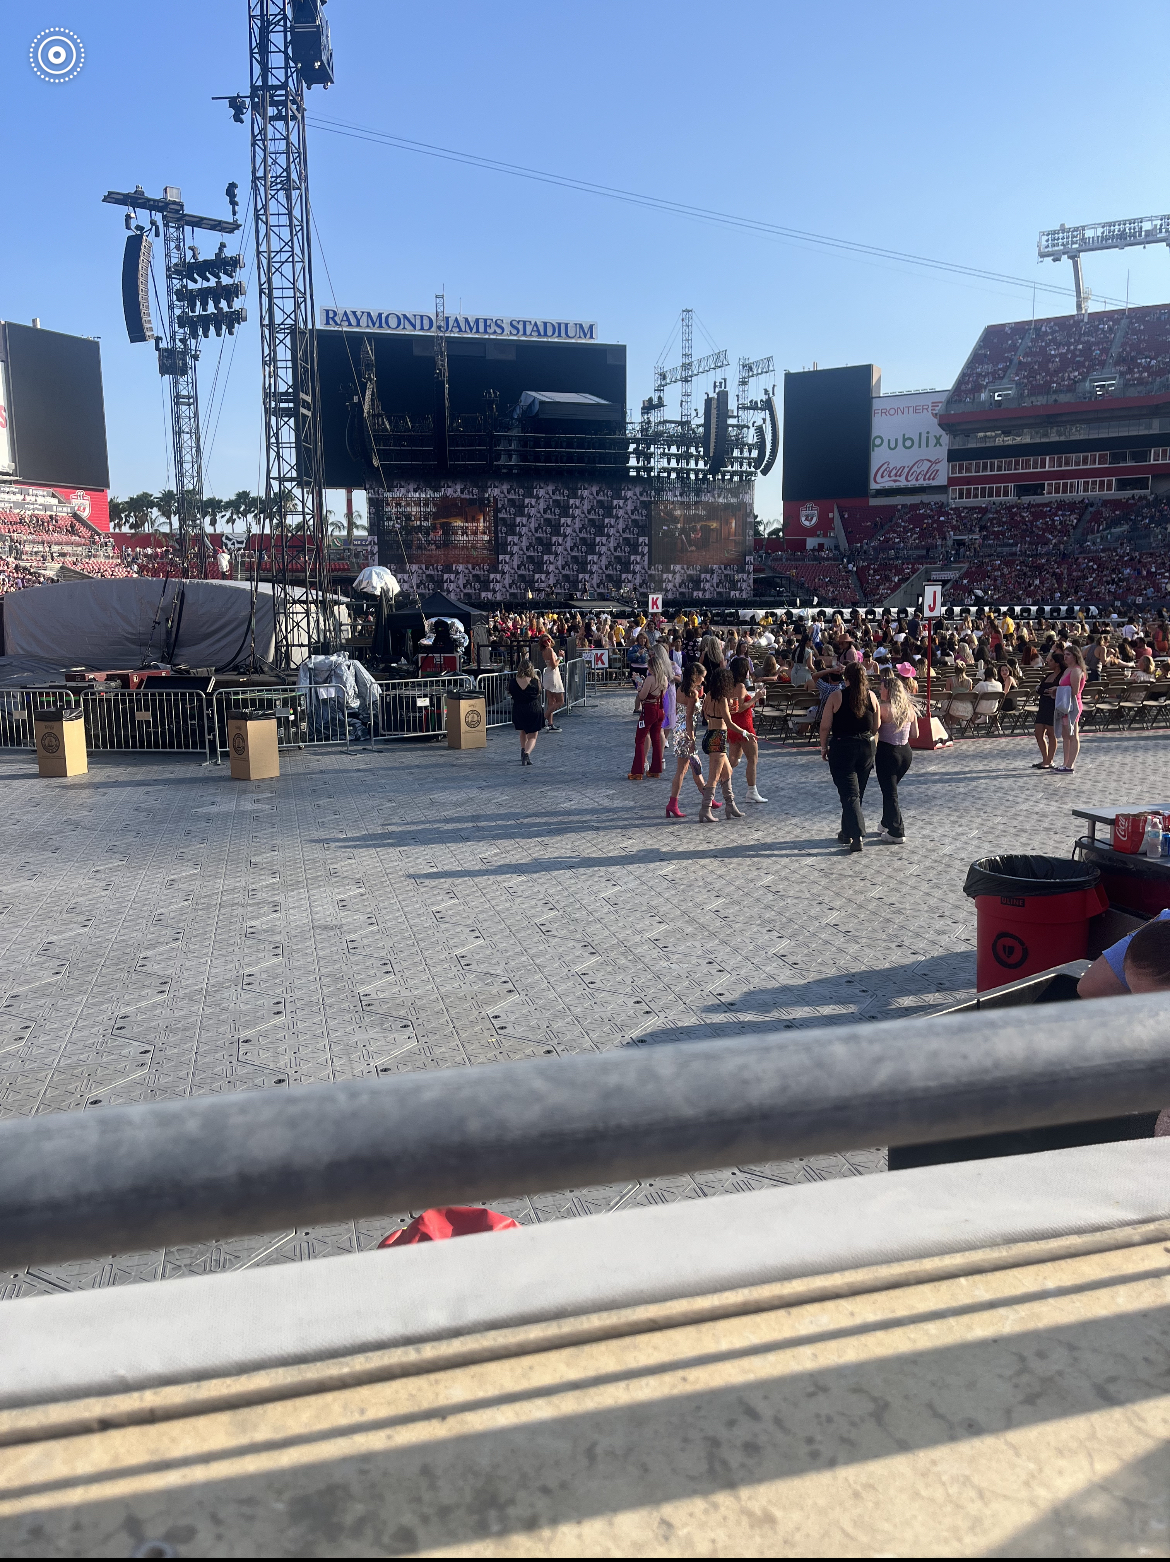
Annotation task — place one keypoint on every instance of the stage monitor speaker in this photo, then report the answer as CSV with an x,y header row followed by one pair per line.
x,y
136,288
715,415
773,450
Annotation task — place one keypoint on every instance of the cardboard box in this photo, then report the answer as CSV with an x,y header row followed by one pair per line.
x,y
60,740
466,721
253,749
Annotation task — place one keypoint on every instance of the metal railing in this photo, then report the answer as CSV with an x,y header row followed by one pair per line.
x,y
305,717
18,710
575,681
145,720
417,707
116,719
494,687
131,1178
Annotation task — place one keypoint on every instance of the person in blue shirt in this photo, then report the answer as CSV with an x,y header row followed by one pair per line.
x,y
1137,963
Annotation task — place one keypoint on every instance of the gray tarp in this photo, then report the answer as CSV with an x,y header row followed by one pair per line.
x,y
111,623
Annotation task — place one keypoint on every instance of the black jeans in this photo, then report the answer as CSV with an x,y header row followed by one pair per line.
x,y
850,762
891,764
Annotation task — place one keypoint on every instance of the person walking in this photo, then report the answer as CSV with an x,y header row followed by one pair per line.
x,y
1068,709
649,708
690,692
717,713
550,682
527,715
742,732
893,755
849,723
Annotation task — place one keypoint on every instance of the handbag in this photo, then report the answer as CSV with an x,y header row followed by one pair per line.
x,y
1063,700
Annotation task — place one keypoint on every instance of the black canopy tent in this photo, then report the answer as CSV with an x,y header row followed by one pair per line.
x,y
439,606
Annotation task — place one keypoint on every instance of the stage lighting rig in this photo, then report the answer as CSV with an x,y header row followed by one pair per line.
x,y
192,314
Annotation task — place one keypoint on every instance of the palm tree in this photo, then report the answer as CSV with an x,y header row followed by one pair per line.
x,y
139,508
241,505
166,504
212,509
117,512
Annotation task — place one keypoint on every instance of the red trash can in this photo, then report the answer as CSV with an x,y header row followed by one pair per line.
x,y
1033,914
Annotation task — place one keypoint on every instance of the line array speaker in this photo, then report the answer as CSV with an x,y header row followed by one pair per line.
x,y
136,288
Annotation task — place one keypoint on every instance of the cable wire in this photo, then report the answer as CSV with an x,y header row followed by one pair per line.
x,y
682,208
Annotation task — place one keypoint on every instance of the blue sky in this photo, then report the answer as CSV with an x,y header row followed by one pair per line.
x,y
952,132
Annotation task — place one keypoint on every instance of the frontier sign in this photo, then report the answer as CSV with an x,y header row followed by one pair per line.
x,y
403,322
907,449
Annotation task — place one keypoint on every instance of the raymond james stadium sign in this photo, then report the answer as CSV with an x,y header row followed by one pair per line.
x,y
401,322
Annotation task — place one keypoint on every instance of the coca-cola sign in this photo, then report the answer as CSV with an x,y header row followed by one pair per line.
x,y
907,448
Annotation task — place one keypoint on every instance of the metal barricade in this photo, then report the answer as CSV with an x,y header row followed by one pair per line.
x,y
310,717
145,720
575,682
18,709
417,707
494,688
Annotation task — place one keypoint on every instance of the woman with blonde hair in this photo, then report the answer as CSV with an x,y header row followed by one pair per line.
x,y
893,755
650,709
1069,707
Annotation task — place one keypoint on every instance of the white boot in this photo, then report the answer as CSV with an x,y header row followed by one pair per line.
x,y
753,795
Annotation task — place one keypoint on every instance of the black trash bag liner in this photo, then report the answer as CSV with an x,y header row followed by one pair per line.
x,y
1023,874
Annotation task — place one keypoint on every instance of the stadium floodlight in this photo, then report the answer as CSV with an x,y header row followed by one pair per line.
x,y
1065,243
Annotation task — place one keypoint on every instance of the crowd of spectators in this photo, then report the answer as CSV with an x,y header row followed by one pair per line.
x,y
1036,527
859,522
880,580
1106,577
990,360
910,528
824,577
1065,350
35,546
1142,353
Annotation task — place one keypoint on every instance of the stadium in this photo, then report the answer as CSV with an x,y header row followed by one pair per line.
x,y
1046,480
1055,487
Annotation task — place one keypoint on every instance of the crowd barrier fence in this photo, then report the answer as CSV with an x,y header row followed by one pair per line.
x,y
18,708
309,717
417,707
116,719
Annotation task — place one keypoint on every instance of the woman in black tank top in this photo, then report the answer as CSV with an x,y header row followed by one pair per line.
x,y
849,726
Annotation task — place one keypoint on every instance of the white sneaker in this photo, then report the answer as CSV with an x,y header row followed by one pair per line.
x,y
886,839
753,795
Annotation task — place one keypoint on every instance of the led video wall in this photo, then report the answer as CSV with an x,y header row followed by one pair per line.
x,y
698,534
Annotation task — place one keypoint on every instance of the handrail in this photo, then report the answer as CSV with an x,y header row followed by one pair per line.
x,y
125,1179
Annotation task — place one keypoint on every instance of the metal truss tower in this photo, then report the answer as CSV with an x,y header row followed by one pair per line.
x,y
178,352
290,51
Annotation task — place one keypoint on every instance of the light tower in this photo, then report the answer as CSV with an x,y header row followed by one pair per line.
x,y
1065,243
193,312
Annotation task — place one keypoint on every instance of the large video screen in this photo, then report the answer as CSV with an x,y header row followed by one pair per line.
x,y
698,534
827,415
441,530
57,409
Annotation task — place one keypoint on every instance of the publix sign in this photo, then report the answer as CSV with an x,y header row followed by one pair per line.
x,y
907,449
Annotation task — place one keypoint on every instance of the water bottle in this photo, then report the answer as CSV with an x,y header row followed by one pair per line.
x,y
1153,840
